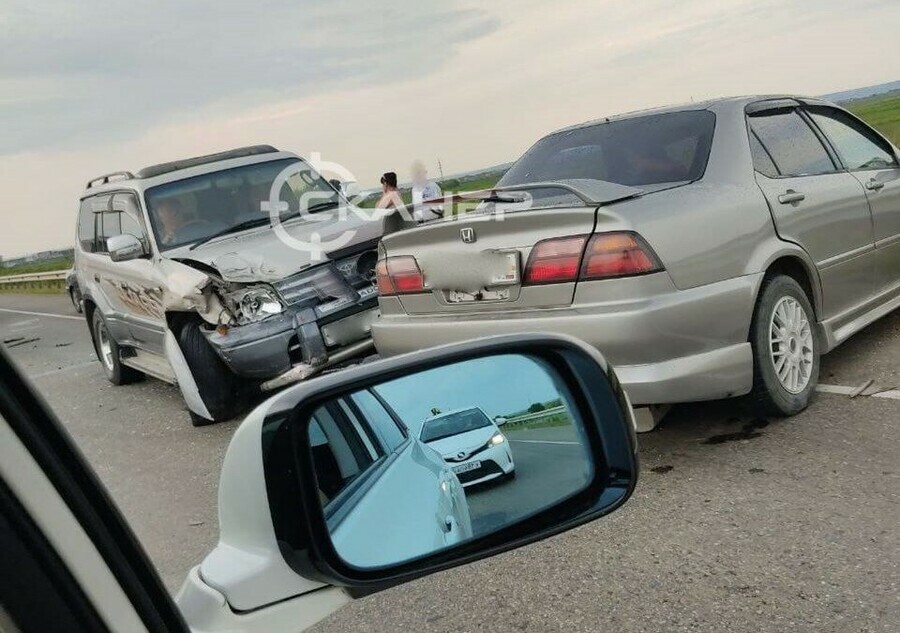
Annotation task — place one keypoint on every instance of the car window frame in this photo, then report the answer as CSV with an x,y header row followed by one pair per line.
x,y
93,221
404,431
879,139
762,109
54,451
144,237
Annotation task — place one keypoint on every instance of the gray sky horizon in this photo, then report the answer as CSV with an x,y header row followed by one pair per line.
x,y
87,89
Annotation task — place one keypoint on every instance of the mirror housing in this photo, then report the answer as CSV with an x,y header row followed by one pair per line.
x,y
124,247
500,420
274,541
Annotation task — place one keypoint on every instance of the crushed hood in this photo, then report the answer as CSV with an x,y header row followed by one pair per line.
x,y
268,254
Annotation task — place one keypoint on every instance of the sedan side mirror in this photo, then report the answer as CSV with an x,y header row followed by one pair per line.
x,y
500,420
396,469
124,247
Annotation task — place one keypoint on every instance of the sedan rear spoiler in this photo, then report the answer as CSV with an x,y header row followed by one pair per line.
x,y
593,193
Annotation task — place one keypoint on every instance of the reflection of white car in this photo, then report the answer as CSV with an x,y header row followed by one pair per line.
x,y
471,444
371,473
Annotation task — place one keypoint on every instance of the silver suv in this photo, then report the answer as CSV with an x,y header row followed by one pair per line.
x,y
185,279
709,250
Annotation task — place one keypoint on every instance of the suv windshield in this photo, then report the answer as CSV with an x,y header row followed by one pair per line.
x,y
197,208
453,424
645,151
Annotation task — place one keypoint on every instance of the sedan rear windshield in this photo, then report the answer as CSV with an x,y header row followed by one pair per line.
x,y
645,151
453,424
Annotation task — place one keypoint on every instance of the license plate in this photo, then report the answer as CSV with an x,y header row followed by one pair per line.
x,y
464,468
458,296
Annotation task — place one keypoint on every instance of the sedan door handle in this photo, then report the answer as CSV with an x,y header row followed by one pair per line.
x,y
790,196
874,185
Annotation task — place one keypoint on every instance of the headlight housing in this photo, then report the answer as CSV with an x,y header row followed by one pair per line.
x,y
254,303
496,440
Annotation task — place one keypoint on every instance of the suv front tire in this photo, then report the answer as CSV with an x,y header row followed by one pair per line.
x,y
218,385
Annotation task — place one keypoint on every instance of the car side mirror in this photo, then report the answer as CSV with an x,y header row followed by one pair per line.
x,y
124,247
500,420
396,469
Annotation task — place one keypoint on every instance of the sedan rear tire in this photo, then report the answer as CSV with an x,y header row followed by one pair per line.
x,y
785,348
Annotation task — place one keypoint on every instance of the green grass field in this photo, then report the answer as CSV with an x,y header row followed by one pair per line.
x,y
881,112
60,263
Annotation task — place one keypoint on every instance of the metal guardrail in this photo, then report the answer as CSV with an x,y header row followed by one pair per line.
x,y
53,275
54,280
537,414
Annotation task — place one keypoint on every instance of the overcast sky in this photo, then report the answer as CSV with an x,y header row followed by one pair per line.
x,y
500,385
87,87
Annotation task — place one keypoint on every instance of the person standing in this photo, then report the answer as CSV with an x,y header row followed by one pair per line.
x,y
422,190
390,195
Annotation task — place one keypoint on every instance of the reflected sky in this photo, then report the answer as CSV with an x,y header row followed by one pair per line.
x,y
500,385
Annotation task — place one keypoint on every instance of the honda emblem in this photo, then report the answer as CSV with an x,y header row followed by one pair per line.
x,y
467,234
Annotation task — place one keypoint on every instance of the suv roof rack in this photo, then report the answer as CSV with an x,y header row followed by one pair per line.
x,y
102,180
240,152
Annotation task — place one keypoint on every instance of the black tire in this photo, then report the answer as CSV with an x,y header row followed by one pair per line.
x,y
770,395
75,296
218,385
108,353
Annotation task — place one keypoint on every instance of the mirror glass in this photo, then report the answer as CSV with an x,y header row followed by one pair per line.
x,y
427,461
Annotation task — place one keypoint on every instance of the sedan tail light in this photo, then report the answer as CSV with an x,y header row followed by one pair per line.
x,y
554,261
399,275
619,254
603,256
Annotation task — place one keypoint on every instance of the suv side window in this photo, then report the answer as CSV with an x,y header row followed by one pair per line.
x,y
858,147
88,217
122,217
380,418
791,143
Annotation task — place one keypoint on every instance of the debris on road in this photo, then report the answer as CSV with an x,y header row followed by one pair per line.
x,y
23,341
12,340
858,390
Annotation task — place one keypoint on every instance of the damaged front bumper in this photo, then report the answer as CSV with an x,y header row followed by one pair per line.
x,y
295,344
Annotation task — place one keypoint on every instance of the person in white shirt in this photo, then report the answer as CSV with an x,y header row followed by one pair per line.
x,y
424,189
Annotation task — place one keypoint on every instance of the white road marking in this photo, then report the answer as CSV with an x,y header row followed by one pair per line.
x,y
893,394
43,314
545,442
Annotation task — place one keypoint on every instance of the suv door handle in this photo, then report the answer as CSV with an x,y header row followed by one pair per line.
x,y
790,196
874,185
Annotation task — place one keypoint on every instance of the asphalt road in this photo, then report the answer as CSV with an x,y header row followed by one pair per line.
x,y
737,524
551,464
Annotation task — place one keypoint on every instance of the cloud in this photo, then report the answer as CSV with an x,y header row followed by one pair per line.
x,y
92,70
469,85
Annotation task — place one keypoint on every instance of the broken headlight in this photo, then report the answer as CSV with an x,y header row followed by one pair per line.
x,y
254,303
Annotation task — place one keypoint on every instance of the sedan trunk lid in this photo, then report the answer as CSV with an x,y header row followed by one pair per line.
x,y
475,262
